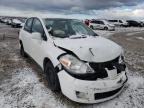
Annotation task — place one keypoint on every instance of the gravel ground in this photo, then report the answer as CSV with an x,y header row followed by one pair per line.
x,y
23,84
134,48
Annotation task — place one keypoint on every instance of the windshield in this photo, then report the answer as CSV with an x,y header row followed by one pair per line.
x,y
64,28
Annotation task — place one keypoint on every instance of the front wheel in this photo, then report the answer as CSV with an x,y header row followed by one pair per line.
x,y
52,77
92,27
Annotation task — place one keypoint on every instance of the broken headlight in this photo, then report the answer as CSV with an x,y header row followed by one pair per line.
x,y
74,65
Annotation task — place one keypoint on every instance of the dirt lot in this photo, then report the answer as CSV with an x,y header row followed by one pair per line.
x,y
133,43
23,85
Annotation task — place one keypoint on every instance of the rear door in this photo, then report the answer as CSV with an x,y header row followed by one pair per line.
x,y
25,35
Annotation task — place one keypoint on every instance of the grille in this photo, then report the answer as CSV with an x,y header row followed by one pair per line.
x,y
99,68
100,71
106,94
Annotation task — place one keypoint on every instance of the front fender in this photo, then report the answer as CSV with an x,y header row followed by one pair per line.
x,y
52,54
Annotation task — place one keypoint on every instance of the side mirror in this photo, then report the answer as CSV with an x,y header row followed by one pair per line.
x,y
49,29
36,35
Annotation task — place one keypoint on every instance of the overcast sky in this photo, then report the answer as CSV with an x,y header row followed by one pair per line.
x,y
124,9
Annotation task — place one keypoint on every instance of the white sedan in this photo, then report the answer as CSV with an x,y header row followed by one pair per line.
x,y
87,68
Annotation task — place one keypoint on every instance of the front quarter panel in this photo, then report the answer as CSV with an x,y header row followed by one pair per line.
x,y
51,52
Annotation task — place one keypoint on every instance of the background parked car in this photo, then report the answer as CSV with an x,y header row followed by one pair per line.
x,y
142,23
9,21
124,23
22,21
119,22
16,23
101,24
5,20
132,23
2,20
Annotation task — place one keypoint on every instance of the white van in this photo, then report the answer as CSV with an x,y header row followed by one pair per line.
x,y
101,24
119,23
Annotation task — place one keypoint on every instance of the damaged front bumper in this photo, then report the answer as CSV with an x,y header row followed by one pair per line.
x,y
84,91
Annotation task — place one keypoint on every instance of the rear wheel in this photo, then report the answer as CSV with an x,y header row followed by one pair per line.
x,y
105,28
52,77
22,52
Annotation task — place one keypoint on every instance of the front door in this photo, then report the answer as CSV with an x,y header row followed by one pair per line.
x,y
26,36
38,44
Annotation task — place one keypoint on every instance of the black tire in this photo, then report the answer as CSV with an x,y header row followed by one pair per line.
x,y
105,28
52,77
92,27
22,52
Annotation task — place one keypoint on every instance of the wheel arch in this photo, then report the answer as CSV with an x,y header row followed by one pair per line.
x,y
46,59
57,86
20,41
52,60
106,27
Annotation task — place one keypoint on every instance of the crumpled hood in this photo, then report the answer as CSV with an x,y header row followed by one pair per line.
x,y
91,49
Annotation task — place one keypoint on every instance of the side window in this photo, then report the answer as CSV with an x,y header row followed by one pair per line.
x,y
113,20
37,27
28,25
49,23
120,21
92,22
97,22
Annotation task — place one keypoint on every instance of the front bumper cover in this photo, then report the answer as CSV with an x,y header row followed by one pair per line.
x,y
83,91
